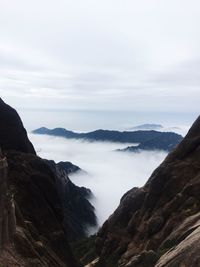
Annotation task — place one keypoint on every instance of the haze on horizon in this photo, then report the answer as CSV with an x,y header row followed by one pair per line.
x,y
114,55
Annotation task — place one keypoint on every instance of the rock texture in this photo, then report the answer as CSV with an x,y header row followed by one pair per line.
x,y
7,213
40,238
159,224
34,223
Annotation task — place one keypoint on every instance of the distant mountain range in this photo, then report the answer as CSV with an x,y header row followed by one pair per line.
x,y
42,212
157,225
147,126
147,140
165,142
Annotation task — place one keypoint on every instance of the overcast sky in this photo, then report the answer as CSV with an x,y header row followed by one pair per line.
x,y
101,54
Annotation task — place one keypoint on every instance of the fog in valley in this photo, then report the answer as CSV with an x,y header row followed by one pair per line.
x,y
109,174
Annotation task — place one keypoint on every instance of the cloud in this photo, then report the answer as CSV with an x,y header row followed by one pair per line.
x,y
182,75
110,174
86,55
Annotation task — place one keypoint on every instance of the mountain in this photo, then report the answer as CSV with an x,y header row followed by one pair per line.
x,y
12,132
165,142
112,136
78,212
68,167
158,224
41,210
38,237
147,126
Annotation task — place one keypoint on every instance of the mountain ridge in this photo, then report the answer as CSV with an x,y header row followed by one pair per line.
x,y
155,139
165,143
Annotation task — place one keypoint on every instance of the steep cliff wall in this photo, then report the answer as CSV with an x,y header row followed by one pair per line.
x,y
31,212
7,208
158,224
40,238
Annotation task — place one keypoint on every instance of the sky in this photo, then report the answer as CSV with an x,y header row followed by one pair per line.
x,y
103,55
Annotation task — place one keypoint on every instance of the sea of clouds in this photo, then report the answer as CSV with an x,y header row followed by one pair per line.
x,y
109,174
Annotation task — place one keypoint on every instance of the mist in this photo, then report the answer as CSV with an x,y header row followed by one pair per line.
x,y
109,174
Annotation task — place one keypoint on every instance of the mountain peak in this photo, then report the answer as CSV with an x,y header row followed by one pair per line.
x,y
13,135
195,129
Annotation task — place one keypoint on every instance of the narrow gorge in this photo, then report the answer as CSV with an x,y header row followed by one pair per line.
x,y
43,215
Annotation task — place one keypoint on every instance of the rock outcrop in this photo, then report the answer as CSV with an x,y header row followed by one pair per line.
x,y
12,132
35,236
39,238
34,223
69,168
158,224
79,214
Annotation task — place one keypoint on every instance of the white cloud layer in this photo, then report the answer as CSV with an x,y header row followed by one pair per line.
x,y
110,174
141,55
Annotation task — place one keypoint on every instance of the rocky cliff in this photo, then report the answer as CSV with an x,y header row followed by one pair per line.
x,y
39,238
78,212
158,224
12,132
34,223
7,216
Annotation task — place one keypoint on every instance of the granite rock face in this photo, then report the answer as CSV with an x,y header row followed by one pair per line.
x,y
40,238
158,224
35,226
